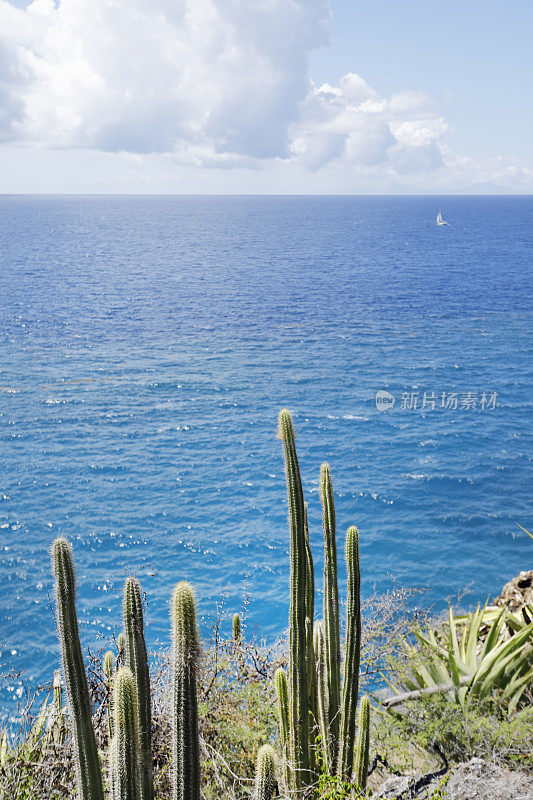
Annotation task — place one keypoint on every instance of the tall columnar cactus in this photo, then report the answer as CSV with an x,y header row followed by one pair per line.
x,y
89,776
362,746
350,685
331,611
282,692
265,774
236,628
311,665
298,698
109,674
125,779
185,654
137,661
319,645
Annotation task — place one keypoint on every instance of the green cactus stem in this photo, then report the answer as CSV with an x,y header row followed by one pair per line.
x,y
362,747
350,686
59,723
89,776
185,656
298,697
265,774
121,647
319,645
137,661
331,611
311,666
282,691
125,779
236,627
109,673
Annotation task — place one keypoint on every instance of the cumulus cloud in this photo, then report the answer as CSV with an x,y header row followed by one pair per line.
x,y
212,83
205,76
352,125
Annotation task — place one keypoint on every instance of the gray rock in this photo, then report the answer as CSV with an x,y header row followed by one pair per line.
x,y
394,786
475,780
479,780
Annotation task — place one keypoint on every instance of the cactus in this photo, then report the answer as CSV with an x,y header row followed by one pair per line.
x,y
109,672
312,709
282,692
265,774
125,769
319,645
331,612
350,685
236,627
185,656
58,722
89,776
298,698
362,746
121,647
137,662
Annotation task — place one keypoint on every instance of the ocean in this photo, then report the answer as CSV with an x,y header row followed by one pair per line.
x,y
147,345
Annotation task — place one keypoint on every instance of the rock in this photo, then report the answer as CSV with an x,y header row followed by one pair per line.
x,y
479,780
518,592
394,786
475,780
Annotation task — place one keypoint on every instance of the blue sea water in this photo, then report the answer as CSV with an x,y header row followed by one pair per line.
x,y
147,345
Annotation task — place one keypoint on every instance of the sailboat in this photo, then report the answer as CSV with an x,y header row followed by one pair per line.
x,y
441,221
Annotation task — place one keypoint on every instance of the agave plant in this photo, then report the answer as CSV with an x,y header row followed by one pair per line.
x,y
488,651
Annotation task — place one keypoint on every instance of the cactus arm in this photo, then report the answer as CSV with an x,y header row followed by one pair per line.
x,y
311,666
322,702
137,661
362,746
298,729
331,609
350,686
121,647
185,653
109,674
125,779
236,628
283,720
89,776
265,774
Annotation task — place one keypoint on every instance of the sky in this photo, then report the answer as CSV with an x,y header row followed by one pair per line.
x,y
266,96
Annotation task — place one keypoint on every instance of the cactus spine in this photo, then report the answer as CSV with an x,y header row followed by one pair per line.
x,y
322,703
89,776
282,692
125,778
350,684
265,774
109,674
236,627
137,662
298,698
185,655
331,612
362,746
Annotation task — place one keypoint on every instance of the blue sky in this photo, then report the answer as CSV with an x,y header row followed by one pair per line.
x,y
288,96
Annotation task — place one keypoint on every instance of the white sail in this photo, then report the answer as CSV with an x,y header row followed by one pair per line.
x,y
439,218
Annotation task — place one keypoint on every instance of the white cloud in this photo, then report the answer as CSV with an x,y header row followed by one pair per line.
x,y
219,76
216,83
